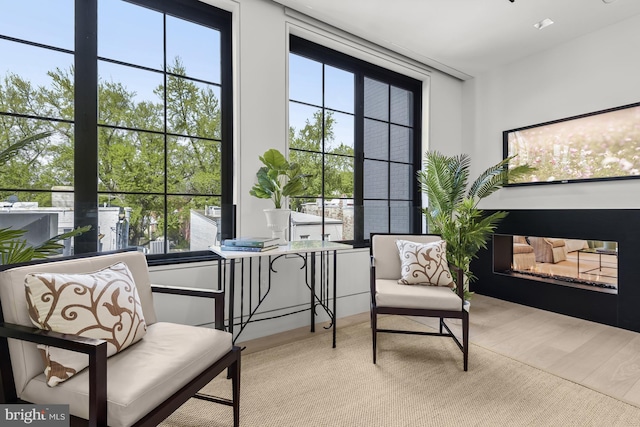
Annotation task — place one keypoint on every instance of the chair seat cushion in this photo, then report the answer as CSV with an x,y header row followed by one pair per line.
x,y
142,376
391,294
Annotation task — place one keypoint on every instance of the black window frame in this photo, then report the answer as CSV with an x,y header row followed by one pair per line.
x,y
86,124
362,69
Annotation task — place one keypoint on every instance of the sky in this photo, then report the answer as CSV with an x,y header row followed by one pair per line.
x,y
133,34
305,85
120,36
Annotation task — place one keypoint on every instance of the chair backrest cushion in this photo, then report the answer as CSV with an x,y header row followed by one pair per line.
x,y
386,255
25,358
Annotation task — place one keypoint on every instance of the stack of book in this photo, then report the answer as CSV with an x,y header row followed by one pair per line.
x,y
250,244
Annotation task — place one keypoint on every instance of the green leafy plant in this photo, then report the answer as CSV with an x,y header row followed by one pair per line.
x,y
453,211
13,247
278,178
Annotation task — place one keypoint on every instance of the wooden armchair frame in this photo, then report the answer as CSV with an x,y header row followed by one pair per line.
x,y
97,351
462,314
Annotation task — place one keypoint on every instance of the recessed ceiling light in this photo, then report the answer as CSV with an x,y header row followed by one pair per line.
x,y
544,23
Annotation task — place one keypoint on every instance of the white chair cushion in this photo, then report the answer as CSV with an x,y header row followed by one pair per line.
x,y
391,294
385,252
103,304
142,376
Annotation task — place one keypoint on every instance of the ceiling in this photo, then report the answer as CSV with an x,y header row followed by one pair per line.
x,y
466,37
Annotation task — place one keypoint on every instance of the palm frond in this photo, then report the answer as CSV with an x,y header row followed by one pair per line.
x,y
53,245
17,251
443,179
519,171
487,181
14,249
460,166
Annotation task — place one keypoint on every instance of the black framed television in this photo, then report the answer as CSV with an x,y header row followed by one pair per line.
x,y
603,145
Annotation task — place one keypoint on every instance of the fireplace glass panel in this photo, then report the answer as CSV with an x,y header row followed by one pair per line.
x,y
575,262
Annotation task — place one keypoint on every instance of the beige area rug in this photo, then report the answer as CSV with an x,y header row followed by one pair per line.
x,y
418,381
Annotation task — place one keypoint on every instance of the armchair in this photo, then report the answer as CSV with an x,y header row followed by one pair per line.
x,y
140,385
390,297
524,257
548,249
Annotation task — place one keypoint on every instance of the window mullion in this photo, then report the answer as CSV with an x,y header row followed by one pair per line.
x,y
86,125
358,167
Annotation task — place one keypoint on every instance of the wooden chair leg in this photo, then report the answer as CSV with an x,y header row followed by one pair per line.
x,y
374,332
465,338
441,320
235,385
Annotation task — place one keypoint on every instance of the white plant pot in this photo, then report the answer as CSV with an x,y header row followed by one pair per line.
x,y
278,223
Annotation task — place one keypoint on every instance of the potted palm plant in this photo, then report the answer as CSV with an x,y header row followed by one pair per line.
x,y
453,211
277,180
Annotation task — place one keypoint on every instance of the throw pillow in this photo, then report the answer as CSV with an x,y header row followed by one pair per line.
x,y
424,263
104,305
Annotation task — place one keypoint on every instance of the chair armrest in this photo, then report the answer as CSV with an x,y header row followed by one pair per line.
x,y
459,279
372,279
95,348
55,339
217,295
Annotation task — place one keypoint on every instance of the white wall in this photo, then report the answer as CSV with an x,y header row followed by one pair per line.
x,y
261,48
587,74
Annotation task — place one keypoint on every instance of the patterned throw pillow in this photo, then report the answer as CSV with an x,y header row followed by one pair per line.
x,y
104,304
424,263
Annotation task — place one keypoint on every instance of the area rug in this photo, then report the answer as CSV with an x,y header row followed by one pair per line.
x,y
417,381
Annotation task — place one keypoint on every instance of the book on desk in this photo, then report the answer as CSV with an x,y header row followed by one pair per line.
x,y
247,248
250,244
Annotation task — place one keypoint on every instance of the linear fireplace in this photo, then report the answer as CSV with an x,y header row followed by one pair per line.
x,y
584,263
595,301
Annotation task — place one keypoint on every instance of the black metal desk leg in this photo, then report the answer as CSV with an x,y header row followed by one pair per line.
x,y
313,291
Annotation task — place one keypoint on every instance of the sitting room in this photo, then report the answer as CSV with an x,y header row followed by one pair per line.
x,y
159,136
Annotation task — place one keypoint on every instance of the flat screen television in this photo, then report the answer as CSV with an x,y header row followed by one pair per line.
x,y
604,145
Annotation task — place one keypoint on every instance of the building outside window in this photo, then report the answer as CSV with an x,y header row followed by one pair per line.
x,y
355,129
148,167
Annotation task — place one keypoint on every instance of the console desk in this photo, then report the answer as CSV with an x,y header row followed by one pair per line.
x,y
321,282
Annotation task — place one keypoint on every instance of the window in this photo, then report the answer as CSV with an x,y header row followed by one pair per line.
x,y
148,170
355,130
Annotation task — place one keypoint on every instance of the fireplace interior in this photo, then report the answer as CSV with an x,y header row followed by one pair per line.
x,y
586,263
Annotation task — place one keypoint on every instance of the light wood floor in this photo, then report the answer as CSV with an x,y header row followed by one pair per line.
x,y
600,357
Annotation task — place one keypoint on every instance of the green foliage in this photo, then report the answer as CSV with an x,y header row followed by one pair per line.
x,y
277,179
335,176
453,211
15,249
129,162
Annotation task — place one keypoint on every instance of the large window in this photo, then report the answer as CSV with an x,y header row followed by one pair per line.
x,y
355,129
129,104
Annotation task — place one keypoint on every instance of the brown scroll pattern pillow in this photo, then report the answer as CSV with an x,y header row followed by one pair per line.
x,y
104,305
424,263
